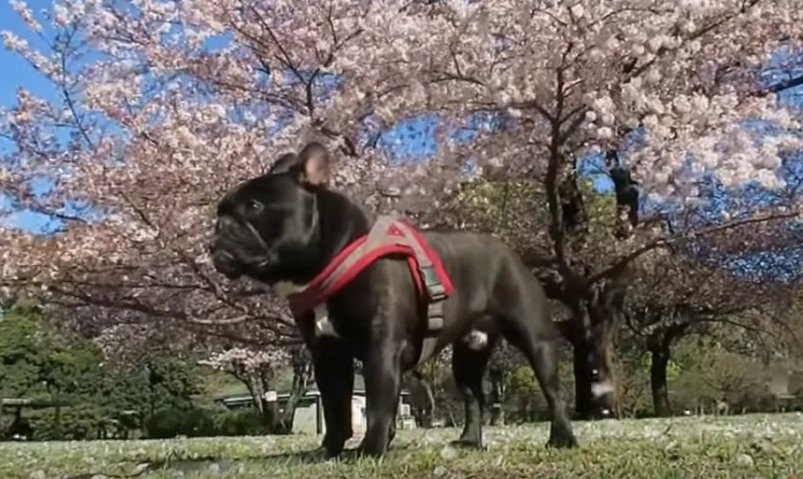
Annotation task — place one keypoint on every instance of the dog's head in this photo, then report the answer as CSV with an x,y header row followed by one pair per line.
x,y
267,226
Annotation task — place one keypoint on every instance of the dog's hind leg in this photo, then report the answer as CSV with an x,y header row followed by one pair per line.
x,y
528,326
542,354
543,357
469,362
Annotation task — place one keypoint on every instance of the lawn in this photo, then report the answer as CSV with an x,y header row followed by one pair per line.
x,y
736,447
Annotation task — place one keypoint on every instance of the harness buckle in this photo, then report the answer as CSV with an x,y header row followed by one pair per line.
x,y
435,316
435,288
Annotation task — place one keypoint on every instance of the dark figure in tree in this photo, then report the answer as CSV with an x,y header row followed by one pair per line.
x,y
627,195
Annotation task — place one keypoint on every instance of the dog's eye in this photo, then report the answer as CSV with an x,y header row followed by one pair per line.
x,y
253,206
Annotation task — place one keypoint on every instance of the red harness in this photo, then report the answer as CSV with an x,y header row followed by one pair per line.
x,y
388,236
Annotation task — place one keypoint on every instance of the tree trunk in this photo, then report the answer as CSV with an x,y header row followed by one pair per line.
x,y
584,407
608,401
591,332
659,343
302,376
256,385
497,411
429,410
497,416
425,414
659,351
251,391
270,414
270,409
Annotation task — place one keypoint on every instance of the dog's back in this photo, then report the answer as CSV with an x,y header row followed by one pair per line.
x,y
487,273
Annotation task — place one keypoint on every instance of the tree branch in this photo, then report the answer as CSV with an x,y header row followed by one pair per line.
x,y
623,261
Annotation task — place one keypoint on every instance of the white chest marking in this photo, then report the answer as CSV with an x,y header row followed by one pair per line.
x,y
476,339
323,327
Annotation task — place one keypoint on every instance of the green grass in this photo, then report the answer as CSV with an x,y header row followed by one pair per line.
x,y
738,447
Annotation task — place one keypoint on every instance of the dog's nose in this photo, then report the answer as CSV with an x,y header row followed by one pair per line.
x,y
224,222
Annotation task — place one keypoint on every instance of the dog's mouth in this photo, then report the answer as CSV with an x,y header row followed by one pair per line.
x,y
225,263
233,259
233,267
237,249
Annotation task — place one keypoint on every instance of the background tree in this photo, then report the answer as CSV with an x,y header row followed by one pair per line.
x,y
429,384
676,295
41,361
257,371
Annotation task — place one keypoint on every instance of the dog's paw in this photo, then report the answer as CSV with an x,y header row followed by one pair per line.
x,y
367,451
468,444
562,441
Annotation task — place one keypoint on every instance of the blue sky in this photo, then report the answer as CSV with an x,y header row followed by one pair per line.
x,y
417,135
15,72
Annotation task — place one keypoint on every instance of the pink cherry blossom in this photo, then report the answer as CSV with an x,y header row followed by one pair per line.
x,y
165,105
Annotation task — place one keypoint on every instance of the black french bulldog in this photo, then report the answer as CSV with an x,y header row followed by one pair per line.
x,y
286,226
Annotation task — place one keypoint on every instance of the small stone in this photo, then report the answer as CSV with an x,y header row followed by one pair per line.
x,y
672,451
100,476
214,468
744,460
449,453
38,475
440,471
140,468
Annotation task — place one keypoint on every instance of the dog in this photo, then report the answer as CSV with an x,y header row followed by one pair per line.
x,y
287,226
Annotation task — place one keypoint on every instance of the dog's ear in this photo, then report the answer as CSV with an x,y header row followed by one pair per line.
x,y
283,164
313,163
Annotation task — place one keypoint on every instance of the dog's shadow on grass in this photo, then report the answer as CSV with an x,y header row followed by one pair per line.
x,y
220,465
316,456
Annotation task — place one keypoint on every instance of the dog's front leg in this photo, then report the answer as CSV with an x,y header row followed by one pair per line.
x,y
334,375
382,373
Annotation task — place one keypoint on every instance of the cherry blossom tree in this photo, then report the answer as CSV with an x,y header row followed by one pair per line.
x,y
257,371
162,105
630,97
678,295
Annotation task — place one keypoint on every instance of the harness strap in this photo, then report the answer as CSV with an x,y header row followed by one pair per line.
x,y
435,291
378,233
389,235
376,238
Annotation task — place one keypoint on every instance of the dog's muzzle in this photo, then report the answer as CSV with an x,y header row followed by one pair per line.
x,y
236,249
225,263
